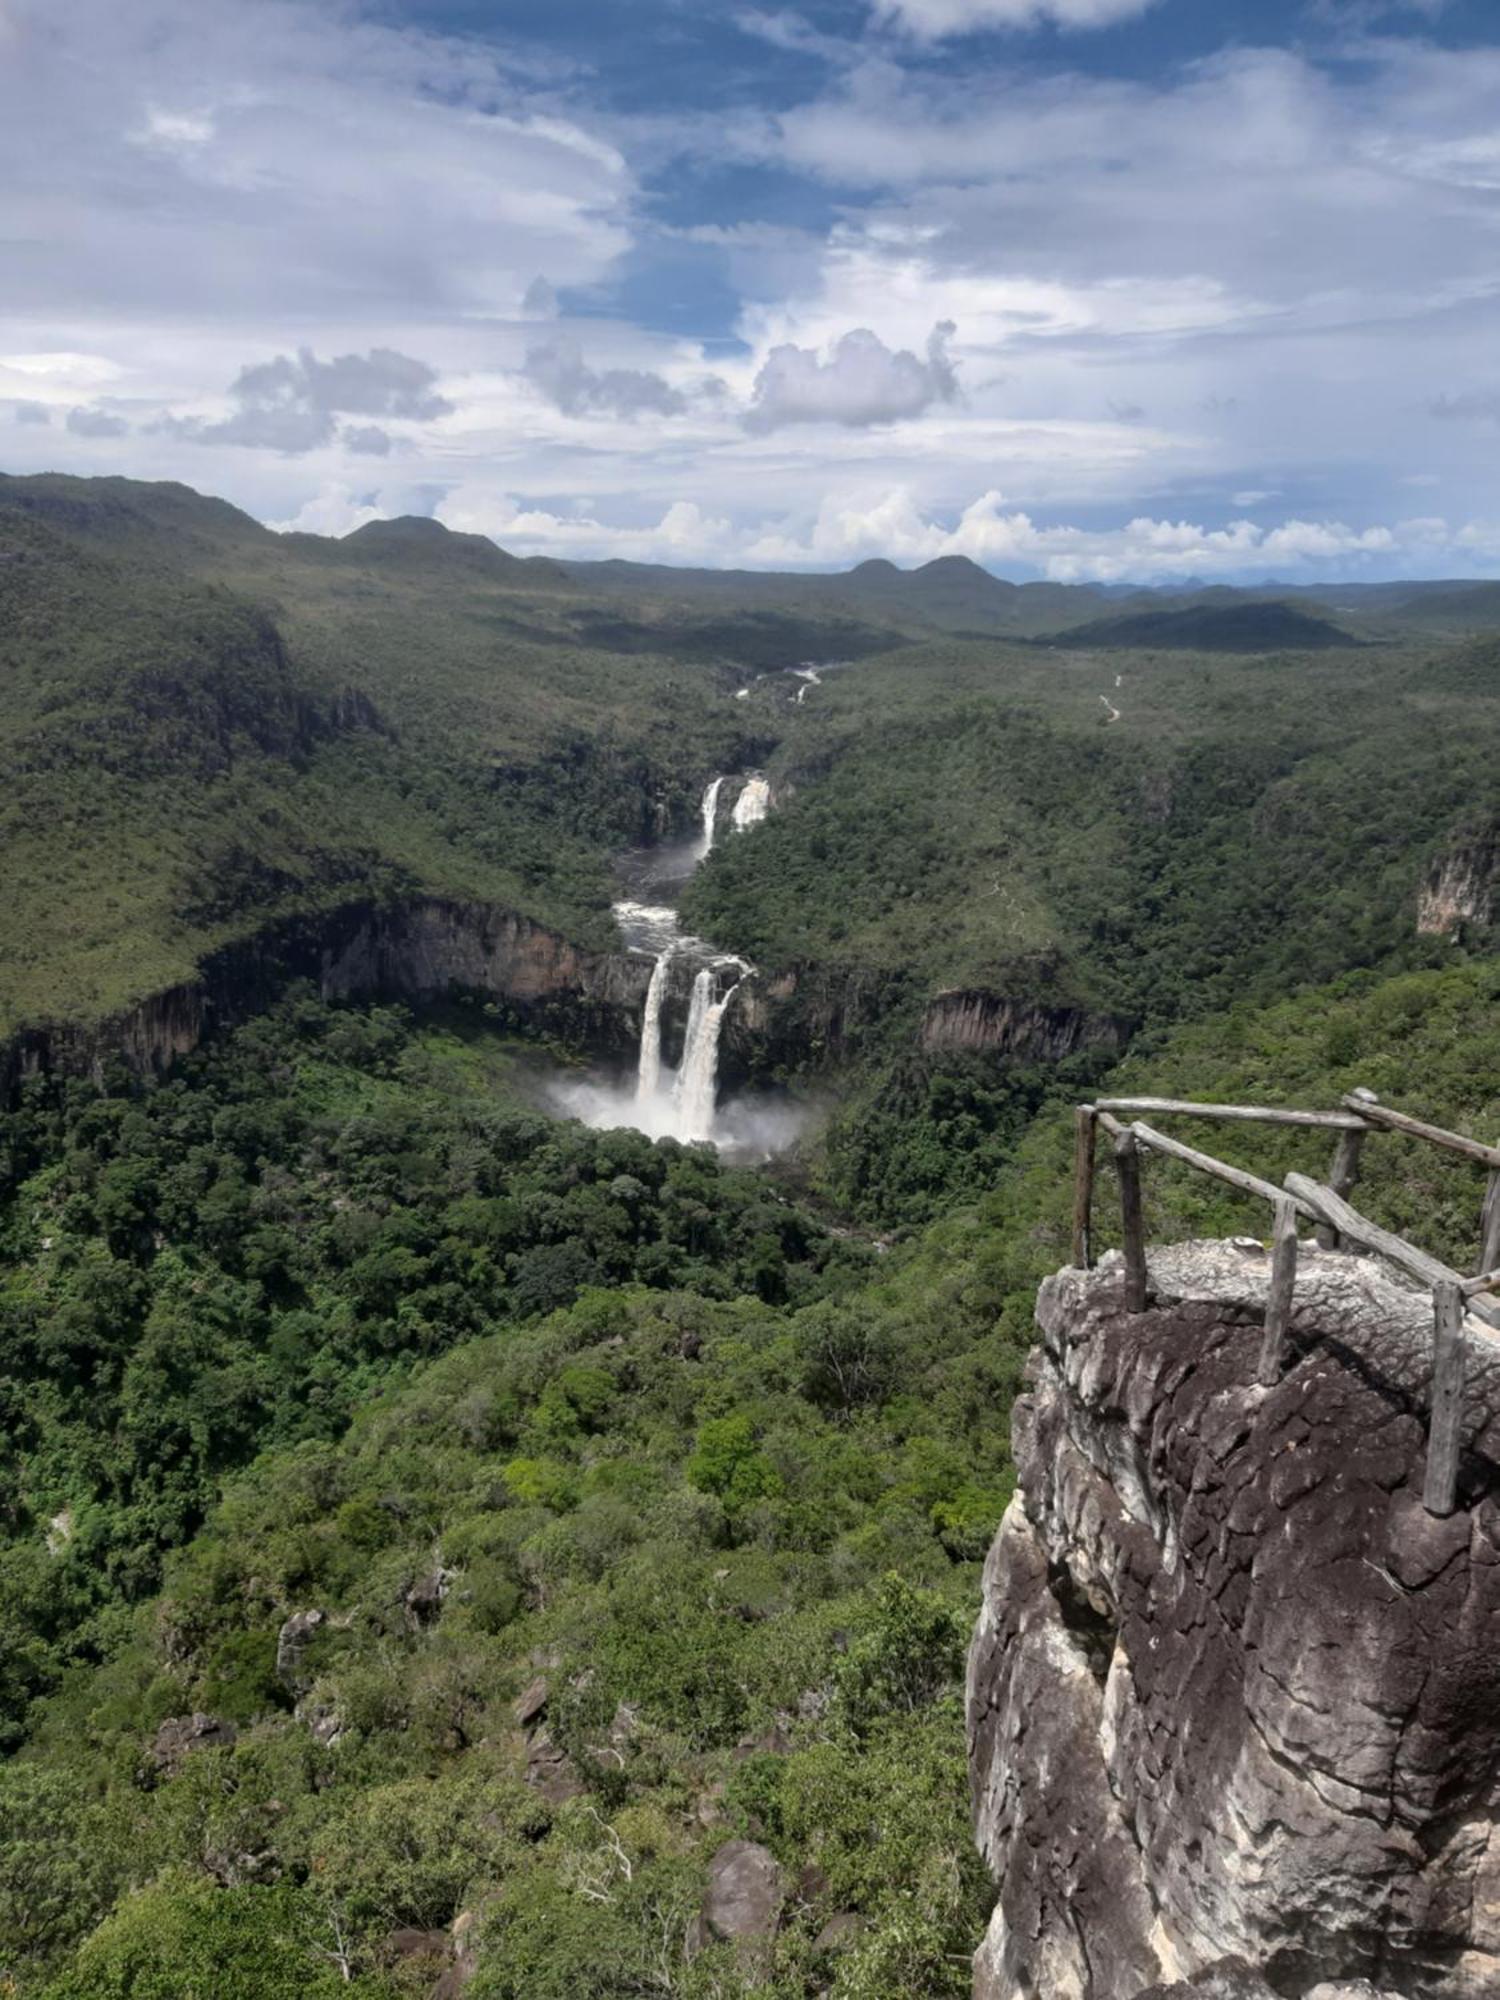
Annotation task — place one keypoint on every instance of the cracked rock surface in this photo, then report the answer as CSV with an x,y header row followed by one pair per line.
x,y
1233,1695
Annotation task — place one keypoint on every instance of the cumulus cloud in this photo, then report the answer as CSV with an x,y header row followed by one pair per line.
x,y
931,20
558,370
1143,549
862,382
28,411
291,404
95,423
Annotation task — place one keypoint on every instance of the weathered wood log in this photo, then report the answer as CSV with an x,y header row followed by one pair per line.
x,y
1344,1172
1236,1177
1484,1281
1323,1203
1279,1298
1085,1128
1489,1224
1250,1114
1108,1123
1132,1220
1454,1142
1445,1423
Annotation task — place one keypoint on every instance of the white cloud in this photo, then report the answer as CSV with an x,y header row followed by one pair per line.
x,y
930,20
683,534
214,157
1144,549
862,382
334,510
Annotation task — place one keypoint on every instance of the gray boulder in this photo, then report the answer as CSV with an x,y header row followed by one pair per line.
x,y
180,1735
742,1904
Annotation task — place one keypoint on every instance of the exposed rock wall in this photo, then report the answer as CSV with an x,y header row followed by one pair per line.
x,y
970,1018
415,950
1234,1697
1461,886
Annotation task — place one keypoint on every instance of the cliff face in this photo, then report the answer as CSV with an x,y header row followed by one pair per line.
x,y
1460,887
967,1018
416,950
1234,1697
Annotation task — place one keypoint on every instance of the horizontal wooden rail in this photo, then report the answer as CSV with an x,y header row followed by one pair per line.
x,y
1248,1114
1236,1177
1416,1128
1356,1228
1339,1226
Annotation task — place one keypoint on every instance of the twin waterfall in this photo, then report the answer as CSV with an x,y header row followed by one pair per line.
x,y
680,1104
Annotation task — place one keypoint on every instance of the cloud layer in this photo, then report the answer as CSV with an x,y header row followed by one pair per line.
x,y
326,259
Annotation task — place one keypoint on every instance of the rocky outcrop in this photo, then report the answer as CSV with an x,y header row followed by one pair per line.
x,y
1461,885
1233,1695
180,1735
972,1018
419,949
742,1904
804,1015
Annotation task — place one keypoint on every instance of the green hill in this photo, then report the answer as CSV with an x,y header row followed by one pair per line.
x,y
1214,628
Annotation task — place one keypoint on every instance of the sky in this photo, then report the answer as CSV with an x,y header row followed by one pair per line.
x,y
1112,290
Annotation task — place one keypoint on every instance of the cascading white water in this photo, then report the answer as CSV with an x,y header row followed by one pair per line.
x,y
752,805
648,1069
710,814
697,1081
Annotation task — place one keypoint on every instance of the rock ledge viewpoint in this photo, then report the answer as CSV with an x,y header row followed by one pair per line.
x,y
1233,1695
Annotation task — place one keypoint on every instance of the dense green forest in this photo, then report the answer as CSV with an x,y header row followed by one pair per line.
x,y
533,1415
431,1530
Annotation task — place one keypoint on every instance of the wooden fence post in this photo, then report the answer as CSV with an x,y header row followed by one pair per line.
x,y
1344,1172
1279,1298
1085,1129
1445,1424
1489,1226
1132,1222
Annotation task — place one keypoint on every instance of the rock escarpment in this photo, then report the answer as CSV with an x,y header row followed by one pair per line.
x,y
1234,1696
1462,884
418,949
974,1018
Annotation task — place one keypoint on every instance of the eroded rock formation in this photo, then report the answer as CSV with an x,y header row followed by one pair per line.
x,y
972,1018
1234,1696
418,949
1461,886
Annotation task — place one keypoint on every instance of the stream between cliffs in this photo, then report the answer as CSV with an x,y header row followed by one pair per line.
x,y
673,1093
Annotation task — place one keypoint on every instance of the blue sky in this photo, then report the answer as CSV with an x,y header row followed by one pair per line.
x,y
1199,289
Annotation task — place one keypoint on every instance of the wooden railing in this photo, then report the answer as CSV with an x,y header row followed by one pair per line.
x,y
1338,1227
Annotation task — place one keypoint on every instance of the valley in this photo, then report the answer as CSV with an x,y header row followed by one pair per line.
x,y
537,1100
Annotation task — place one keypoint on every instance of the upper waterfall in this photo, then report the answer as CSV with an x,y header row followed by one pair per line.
x,y
753,803
709,812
